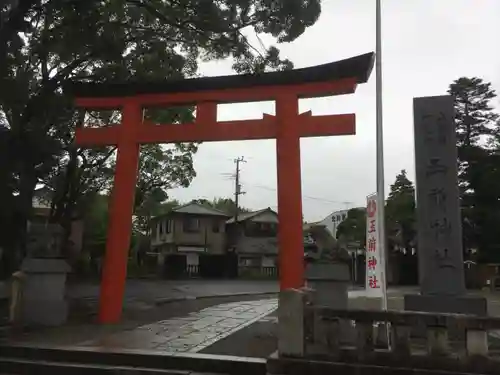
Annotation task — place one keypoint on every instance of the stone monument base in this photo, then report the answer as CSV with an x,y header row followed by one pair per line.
x,y
329,283
45,313
471,305
447,304
43,295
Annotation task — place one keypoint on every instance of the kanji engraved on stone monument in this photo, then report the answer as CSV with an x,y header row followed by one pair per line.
x,y
435,127
435,166
438,213
437,197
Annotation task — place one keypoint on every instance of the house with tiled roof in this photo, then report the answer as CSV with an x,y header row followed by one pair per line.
x,y
253,237
189,229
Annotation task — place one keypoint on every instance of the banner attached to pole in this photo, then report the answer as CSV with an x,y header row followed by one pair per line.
x,y
374,287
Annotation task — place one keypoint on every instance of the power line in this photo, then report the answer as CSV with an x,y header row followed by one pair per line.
x,y
234,176
306,196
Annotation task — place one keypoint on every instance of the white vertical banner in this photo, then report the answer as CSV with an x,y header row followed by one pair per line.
x,y
374,287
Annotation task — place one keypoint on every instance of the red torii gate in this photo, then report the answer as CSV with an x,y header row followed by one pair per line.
x,y
287,126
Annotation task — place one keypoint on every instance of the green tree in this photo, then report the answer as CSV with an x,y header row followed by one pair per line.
x,y
352,230
474,114
226,205
400,212
45,43
483,209
475,121
96,225
477,128
161,168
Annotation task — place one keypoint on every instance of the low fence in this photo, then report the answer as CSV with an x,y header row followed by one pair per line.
x,y
315,339
193,270
209,266
258,272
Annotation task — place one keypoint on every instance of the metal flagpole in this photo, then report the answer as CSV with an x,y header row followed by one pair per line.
x,y
380,156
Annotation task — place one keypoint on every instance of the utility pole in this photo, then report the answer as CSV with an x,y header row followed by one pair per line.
x,y
237,187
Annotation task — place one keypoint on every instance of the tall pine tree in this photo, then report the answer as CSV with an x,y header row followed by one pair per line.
x,y
400,212
474,115
476,127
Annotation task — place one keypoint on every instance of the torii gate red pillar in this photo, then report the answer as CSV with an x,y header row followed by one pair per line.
x,y
287,127
290,232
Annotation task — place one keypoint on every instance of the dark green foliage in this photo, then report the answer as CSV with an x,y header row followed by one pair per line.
x,y
479,166
226,205
474,116
352,230
103,40
400,213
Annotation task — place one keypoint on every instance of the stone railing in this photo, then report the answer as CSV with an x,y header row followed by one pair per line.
x,y
311,334
400,323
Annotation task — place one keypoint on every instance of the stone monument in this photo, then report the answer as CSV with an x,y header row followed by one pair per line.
x,y
439,227
328,275
327,271
43,296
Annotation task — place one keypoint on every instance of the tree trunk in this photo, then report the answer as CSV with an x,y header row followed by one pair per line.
x,y
22,214
64,205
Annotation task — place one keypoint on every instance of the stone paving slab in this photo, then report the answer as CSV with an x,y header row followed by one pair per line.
x,y
197,330
191,333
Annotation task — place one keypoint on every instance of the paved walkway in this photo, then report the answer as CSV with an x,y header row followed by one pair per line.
x,y
197,330
193,332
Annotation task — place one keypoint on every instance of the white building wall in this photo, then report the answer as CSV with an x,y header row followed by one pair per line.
x,y
332,221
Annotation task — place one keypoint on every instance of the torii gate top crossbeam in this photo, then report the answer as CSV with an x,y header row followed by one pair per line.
x,y
316,81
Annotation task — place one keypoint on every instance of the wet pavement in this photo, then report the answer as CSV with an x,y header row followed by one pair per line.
x,y
258,340
193,332
167,290
241,326
148,290
205,328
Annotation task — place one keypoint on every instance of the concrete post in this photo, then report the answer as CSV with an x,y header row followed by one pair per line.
x,y
291,330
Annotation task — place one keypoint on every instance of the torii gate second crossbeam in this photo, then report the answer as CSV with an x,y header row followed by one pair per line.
x,y
287,127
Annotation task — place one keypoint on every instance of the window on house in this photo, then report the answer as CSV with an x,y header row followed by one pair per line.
x,y
215,226
169,226
160,227
256,229
191,224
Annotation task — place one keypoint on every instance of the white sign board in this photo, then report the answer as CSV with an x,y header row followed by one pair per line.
x,y
373,259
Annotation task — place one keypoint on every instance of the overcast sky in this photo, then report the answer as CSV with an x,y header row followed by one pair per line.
x,y
426,45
